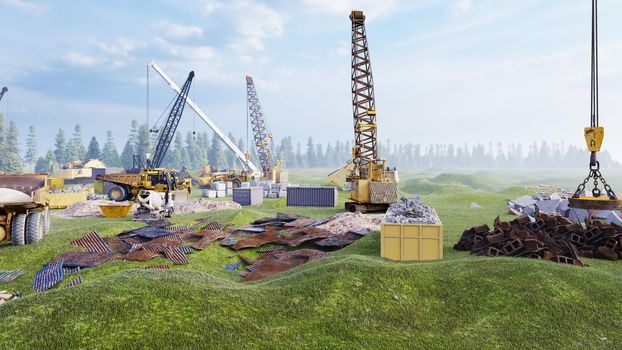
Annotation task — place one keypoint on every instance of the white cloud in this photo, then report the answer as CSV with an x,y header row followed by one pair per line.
x,y
460,7
253,22
80,60
178,30
26,6
372,8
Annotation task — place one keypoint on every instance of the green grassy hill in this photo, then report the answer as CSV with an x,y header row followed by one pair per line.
x,y
351,300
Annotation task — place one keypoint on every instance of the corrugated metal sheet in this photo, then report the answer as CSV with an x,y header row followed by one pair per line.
x,y
93,243
186,249
155,222
50,275
145,232
141,255
272,263
208,237
157,267
117,245
214,226
248,195
233,266
84,259
70,271
76,281
312,196
176,255
8,276
179,228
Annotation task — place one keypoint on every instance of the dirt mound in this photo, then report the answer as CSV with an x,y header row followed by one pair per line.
x,y
344,222
204,205
86,208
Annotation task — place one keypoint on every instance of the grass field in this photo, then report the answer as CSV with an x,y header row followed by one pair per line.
x,y
351,300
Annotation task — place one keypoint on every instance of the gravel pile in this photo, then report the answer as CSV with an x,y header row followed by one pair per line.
x,y
411,211
204,205
345,222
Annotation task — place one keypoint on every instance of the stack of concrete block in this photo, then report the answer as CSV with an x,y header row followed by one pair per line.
x,y
220,188
245,184
209,193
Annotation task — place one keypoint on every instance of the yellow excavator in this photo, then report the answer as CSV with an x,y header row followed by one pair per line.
x,y
373,184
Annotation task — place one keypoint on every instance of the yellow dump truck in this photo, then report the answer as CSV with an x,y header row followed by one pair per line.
x,y
126,186
24,208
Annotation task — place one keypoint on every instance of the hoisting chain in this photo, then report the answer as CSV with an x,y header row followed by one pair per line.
x,y
596,192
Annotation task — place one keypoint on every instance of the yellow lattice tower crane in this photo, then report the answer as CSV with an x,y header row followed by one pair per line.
x,y
374,186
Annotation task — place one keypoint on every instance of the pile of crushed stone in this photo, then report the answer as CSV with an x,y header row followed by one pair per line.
x,y
411,211
204,205
86,208
347,222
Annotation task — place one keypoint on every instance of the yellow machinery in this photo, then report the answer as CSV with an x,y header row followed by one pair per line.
x,y
374,185
207,176
594,135
24,208
126,186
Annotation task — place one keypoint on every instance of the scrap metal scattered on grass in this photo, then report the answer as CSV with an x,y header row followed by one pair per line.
x,y
76,281
9,276
279,261
547,237
84,259
50,275
6,296
92,243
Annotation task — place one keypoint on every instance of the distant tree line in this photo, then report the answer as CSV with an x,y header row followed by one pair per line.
x,y
196,150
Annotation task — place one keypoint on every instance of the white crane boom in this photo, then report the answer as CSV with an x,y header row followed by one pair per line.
x,y
241,156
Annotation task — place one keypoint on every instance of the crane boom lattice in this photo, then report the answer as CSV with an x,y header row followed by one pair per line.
x,y
167,132
363,100
261,134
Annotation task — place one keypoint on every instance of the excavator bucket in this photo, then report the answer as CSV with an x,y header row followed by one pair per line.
x,y
338,177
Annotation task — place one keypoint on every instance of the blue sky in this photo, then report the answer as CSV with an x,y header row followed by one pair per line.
x,y
448,71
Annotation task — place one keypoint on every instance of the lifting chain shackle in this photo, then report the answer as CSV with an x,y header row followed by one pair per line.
x,y
597,176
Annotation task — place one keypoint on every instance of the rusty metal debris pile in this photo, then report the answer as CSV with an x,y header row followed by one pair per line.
x,y
279,261
411,211
547,237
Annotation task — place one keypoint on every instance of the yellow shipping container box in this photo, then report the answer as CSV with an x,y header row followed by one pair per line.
x,y
411,242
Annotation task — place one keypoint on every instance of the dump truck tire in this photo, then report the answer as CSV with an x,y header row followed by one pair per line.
x,y
46,221
34,227
117,193
18,229
236,183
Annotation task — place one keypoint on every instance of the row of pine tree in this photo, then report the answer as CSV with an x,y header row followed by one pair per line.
x,y
197,149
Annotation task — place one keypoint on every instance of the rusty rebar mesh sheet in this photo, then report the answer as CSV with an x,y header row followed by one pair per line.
x,y
272,263
176,255
209,237
84,259
287,236
92,243
141,255
546,237
117,245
